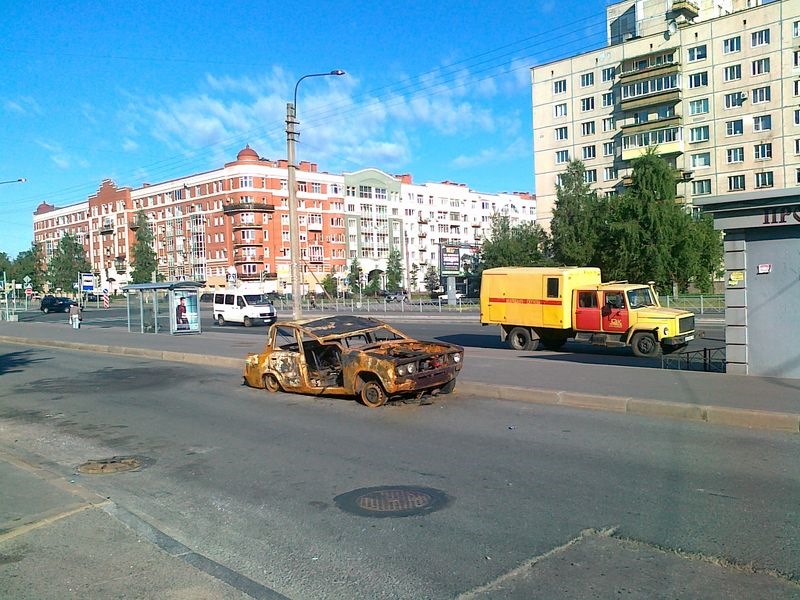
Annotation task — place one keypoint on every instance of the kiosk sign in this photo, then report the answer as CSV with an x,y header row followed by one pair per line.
x,y
450,260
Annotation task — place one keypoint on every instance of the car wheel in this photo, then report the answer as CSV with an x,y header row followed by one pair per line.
x,y
448,387
372,394
248,322
271,383
519,338
220,320
45,310
644,345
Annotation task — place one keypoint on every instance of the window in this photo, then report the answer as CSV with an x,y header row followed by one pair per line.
x,y
732,73
735,183
764,180
698,134
735,155
552,287
797,117
560,86
762,94
608,74
796,59
608,99
698,79
734,127
590,176
702,160
587,128
562,156
701,187
609,173
734,100
587,79
697,53
589,152
762,122
796,29
796,87
797,146
561,133
731,45
608,124
698,107
587,103
560,110
763,151
608,149
759,38
759,67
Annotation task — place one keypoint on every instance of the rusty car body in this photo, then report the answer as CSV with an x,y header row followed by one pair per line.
x,y
352,356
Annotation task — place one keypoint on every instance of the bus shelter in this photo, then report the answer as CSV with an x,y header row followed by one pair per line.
x,y
167,306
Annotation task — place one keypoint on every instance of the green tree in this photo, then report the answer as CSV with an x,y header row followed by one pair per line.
x,y
522,245
67,262
5,265
30,263
574,231
432,279
145,261
394,271
329,284
354,276
413,277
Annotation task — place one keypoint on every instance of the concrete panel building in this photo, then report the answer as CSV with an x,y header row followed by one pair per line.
x,y
713,85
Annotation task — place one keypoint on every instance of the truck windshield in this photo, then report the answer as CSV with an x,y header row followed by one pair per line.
x,y
256,299
640,297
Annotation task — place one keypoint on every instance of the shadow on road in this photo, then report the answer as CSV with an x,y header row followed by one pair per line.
x,y
12,362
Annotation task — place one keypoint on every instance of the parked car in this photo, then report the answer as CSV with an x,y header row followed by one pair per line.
x,y
55,304
352,356
458,295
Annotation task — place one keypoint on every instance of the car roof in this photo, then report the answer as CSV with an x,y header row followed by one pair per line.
x,y
334,326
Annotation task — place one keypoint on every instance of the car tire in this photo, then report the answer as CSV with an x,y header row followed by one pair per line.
x,y
271,384
45,310
644,344
448,387
248,322
220,320
372,394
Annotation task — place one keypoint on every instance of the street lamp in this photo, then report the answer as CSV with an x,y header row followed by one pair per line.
x,y
294,226
20,180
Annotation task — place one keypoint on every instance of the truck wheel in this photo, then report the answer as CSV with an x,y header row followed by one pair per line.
x,y
644,344
519,338
373,394
248,322
220,320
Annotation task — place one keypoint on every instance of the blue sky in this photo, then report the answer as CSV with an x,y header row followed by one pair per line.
x,y
146,91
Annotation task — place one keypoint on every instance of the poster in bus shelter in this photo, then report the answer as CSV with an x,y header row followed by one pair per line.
x,y
450,260
185,311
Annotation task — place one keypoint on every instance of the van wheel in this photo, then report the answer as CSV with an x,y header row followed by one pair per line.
x,y
248,322
644,345
519,338
271,383
220,320
372,394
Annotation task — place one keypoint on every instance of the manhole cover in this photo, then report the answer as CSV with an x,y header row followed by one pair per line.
x,y
392,501
115,464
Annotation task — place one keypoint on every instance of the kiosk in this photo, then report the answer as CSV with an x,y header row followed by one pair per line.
x,y
171,306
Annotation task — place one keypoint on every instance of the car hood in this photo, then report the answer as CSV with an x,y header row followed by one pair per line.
x,y
406,349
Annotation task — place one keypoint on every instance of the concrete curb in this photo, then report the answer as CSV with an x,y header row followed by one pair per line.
x,y
717,415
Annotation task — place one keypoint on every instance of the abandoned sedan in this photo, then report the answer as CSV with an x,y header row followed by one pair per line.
x,y
350,355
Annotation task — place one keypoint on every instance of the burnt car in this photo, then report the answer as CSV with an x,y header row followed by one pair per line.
x,y
352,356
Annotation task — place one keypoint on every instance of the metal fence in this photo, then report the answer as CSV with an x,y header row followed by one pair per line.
x,y
700,304
381,306
711,360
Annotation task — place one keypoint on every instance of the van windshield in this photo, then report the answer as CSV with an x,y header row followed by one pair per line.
x,y
256,299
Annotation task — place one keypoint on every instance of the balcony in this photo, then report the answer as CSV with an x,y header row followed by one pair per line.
x,y
259,207
316,260
133,225
422,221
240,226
246,243
107,228
685,8
670,96
240,260
314,226
666,140
422,235
268,276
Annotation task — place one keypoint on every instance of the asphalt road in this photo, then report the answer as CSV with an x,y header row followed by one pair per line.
x,y
250,479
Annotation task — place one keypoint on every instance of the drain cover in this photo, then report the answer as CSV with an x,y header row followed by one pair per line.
x,y
392,501
115,464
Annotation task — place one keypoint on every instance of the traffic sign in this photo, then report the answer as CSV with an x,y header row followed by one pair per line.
x,y
87,282
29,291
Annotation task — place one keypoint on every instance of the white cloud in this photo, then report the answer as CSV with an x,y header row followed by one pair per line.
x,y
517,148
24,105
128,145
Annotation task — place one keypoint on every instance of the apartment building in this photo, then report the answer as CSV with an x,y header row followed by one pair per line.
x,y
232,223
713,85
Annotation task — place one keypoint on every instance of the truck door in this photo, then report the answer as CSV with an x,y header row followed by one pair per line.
x,y
614,313
587,311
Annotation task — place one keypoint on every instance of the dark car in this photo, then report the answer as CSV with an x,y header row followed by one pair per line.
x,y
55,304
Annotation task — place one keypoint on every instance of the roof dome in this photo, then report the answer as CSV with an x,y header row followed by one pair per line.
x,y
247,153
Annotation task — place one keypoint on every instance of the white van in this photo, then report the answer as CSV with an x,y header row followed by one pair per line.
x,y
247,308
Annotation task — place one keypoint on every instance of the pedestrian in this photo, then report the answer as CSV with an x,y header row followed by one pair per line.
x,y
75,316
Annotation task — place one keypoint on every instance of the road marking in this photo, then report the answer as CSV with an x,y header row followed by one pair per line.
x,y
23,529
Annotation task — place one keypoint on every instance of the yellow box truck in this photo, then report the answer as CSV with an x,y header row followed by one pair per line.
x,y
548,305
